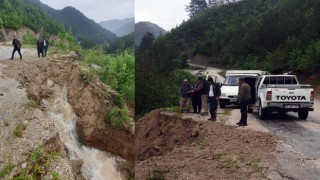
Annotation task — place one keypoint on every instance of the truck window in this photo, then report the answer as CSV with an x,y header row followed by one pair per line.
x,y
290,80
280,80
266,80
273,80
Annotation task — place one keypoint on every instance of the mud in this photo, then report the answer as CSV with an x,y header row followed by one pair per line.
x,y
158,133
218,152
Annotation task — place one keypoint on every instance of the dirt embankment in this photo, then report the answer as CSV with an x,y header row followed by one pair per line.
x,y
218,152
91,102
158,133
90,98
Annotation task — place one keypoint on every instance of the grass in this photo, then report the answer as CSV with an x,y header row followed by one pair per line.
x,y
174,109
17,132
6,122
38,165
227,112
85,76
6,170
118,118
31,104
22,84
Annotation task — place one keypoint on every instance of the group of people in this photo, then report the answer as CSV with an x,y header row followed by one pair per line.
x,y
42,47
205,95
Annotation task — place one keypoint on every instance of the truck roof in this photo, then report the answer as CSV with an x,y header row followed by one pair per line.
x,y
242,72
280,75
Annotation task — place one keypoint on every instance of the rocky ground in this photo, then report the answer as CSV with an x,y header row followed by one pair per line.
x,y
25,130
187,146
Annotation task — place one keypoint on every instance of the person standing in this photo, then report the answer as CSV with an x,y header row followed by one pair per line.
x,y
45,47
244,97
16,47
185,93
40,47
203,90
213,97
196,97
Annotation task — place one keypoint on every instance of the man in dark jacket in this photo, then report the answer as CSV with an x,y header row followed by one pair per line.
x,y
244,97
213,96
203,90
45,47
16,46
185,94
40,47
196,97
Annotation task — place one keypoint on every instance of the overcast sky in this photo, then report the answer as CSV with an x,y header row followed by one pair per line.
x,y
165,13
98,10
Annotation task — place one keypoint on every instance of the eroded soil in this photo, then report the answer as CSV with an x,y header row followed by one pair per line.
x,y
218,151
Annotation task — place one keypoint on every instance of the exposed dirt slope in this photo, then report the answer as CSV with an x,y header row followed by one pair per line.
x,y
90,98
219,152
158,133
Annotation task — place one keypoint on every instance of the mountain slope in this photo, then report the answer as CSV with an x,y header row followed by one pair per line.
x,y
16,14
86,30
119,27
143,27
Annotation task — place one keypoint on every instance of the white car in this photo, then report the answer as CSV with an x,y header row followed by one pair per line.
x,y
230,87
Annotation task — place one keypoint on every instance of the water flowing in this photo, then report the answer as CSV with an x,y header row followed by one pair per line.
x,y
97,165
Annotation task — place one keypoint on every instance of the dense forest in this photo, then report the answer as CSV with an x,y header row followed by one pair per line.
x,y
273,35
15,14
87,31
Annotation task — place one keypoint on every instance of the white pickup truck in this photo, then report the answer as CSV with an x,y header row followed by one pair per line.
x,y
283,93
230,87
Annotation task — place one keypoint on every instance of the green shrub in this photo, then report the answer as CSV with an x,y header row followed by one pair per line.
x,y
17,132
6,170
31,104
118,117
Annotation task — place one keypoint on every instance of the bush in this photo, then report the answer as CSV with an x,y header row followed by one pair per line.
x,y
118,117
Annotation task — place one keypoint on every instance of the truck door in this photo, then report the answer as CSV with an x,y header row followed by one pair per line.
x,y
251,81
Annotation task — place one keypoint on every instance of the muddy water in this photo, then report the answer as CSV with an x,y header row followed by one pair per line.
x,y
97,165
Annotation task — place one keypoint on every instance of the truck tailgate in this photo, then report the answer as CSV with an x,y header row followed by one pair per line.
x,y
291,94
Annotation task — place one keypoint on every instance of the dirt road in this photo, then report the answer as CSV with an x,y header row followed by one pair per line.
x,y
6,52
298,155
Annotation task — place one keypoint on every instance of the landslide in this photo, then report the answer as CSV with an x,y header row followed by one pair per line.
x,y
216,151
158,133
90,98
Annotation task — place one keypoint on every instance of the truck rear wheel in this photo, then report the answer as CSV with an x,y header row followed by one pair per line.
x,y
303,115
262,112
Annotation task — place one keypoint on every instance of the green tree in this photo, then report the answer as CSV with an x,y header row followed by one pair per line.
x,y
196,6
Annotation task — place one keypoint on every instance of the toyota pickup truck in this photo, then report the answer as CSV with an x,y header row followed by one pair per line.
x,y
283,93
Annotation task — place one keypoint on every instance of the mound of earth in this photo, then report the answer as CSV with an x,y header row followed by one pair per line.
x,y
158,133
219,152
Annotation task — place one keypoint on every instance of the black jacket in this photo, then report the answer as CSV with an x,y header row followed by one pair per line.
x,y
216,90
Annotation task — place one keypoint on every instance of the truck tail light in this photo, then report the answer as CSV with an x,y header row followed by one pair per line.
x,y
269,95
312,96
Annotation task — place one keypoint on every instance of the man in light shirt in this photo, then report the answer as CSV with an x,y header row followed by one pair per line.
x,y
213,96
